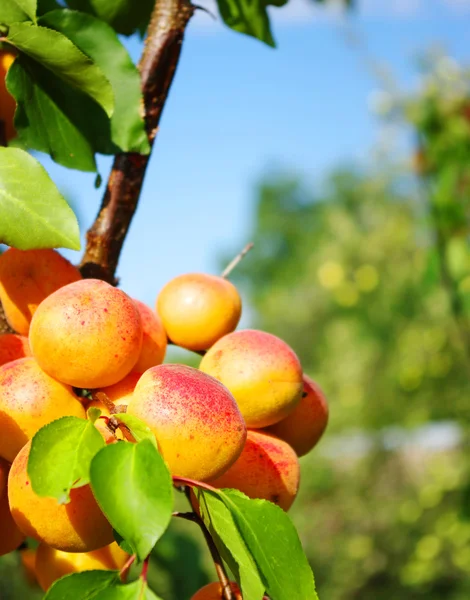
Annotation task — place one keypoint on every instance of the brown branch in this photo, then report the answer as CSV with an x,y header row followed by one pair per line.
x,y
233,263
157,67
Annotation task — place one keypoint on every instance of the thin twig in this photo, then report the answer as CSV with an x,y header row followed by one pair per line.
x,y
157,67
178,481
124,572
233,263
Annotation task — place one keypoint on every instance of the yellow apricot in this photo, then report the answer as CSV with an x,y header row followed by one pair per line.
x,y
213,591
154,340
268,468
303,428
78,526
195,419
13,346
262,372
198,309
87,334
26,278
30,399
7,102
28,561
52,564
10,535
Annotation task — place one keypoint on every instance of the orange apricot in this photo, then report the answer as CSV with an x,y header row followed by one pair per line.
x,y
52,564
7,102
120,393
303,428
78,526
13,346
268,468
213,591
154,340
262,372
30,399
10,535
198,309
28,561
26,278
195,419
87,334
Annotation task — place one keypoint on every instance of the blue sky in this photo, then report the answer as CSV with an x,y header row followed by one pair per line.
x,y
238,109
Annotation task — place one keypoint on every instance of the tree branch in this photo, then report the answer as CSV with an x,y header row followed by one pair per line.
x,y
157,67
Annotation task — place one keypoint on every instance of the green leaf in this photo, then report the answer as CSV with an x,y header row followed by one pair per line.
x,y
283,567
14,11
249,17
99,41
33,214
58,54
60,457
219,521
125,16
52,117
99,585
93,414
133,487
138,428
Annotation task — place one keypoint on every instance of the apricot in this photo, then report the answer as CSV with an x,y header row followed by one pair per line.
x,y
262,372
198,309
78,526
4,468
268,468
195,419
303,428
30,399
213,591
53,564
87,334
26,278
28,560
120,393
7,102
10,535
154,340
13,346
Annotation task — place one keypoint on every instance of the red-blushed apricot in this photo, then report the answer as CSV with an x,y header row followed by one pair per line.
x,y
4,468
26,278
10,535
213,591
198,309
303,428
78,526
154,340
53,564
7,102
268,468
262,372
13,346
87,334
28,562
195,419
30,399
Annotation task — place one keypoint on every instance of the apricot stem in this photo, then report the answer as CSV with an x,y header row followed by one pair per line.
x,y
124,572
234,262
157,67
178,481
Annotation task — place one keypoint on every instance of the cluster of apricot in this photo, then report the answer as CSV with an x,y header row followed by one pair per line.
x,y
239,421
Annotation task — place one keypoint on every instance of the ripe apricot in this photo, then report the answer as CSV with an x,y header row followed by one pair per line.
x,y
305,425
7,102
154,340
268,468
10,535
13,346
30,399
53,564
87,334
26,278
262,372
78,526
198,309
195,419
213,591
